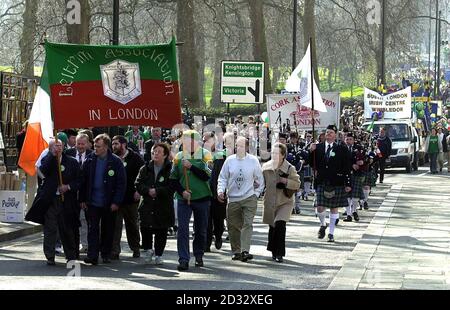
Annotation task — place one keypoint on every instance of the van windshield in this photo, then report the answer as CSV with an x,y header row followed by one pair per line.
x,y
396,132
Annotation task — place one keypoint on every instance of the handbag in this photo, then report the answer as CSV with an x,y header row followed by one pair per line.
x,y
287,192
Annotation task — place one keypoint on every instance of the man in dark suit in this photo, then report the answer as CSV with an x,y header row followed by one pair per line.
x,y
332,182
384,144
81,149
156,138
132,162
63,208
80,152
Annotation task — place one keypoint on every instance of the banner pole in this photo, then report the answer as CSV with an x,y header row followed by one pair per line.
x,y
312,109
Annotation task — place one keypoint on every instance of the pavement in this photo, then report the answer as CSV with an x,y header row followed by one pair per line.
x,y
407,244
11,231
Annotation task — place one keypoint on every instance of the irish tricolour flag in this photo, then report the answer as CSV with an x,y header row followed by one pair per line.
x,y
39,129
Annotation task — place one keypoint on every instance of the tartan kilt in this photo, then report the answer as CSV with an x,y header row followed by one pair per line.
x,y
370,178
338,201
357,187
307,173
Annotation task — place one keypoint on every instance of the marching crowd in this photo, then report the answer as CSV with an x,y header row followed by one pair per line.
x,y
89,185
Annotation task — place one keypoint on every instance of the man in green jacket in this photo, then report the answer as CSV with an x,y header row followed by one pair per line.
x,y
190,179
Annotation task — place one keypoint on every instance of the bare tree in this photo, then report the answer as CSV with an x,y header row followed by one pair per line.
x,y
79,33
259,39
187,53
27,42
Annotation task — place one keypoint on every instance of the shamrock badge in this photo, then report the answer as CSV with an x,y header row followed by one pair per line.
x,y
111,173
161,179
332,154
63,168
125,164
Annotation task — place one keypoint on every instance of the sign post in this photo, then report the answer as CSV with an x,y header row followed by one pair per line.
x,y
242,82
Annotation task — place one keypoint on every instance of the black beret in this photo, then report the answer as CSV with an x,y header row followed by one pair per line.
x,y
332,127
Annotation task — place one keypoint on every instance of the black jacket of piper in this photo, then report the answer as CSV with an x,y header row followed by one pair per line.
x,y
335,170
132,163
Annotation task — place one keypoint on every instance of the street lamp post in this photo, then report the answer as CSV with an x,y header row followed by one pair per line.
x,y
438,69
116,22
294,36
383,52
436,50
429,48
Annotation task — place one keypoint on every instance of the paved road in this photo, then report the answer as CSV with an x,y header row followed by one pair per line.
x,y
310,263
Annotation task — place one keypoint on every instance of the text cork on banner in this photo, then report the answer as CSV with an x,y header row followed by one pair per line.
x,y
96,86
394,106
292,110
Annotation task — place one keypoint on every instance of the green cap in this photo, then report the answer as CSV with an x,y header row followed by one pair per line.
x,y
62,136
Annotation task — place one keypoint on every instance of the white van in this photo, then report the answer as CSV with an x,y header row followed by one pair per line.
x,y
406,143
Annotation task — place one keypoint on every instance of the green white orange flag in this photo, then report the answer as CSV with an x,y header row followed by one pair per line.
x,y
39,128
97,86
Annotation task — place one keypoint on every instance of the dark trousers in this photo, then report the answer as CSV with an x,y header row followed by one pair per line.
x,y
216,218
381,167
100,241
55,220
160,239
129,213
277,239
200,210
433,161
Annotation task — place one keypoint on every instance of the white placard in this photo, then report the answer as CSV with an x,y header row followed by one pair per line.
x,y
12,206
289,105
394,106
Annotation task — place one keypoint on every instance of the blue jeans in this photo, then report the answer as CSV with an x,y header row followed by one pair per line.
x,y
201,211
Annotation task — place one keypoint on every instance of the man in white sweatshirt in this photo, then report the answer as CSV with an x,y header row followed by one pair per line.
x,y
241,179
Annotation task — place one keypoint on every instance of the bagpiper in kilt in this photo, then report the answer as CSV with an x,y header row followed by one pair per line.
x,y
332,182
359,166
306,172
370,178
294,158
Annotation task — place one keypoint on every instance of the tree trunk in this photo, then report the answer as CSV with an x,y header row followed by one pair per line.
x,y
26,43
187,53
275,78
201,48
309,31
330,78
260,52
219,55
79,33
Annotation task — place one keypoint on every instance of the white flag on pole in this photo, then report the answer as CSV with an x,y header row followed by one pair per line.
x,y
300,82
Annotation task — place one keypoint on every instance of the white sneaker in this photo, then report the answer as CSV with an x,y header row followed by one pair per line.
x,y
148,256
159,260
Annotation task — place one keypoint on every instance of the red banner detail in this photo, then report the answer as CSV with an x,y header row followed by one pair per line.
x,y
87,106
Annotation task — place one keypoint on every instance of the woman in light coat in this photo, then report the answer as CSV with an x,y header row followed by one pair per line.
x,y
281,179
